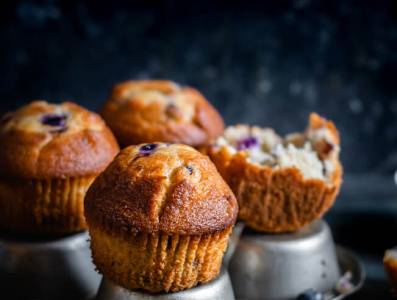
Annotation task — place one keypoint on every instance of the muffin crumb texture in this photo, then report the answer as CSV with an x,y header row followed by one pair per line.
x,y
312,153
280,184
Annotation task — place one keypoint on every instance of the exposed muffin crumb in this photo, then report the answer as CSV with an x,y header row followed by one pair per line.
x,y
281,184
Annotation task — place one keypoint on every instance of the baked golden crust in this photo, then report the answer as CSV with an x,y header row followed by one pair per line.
x,y
160,111
171,189
390,266
159,217
279,200
49,156
75,142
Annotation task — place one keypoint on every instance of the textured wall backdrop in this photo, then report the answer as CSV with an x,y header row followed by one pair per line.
x,y
258,62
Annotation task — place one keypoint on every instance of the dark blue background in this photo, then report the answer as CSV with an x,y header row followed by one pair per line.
x,y
268,63
259,62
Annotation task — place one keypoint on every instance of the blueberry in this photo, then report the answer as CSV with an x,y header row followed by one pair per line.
x,y
247,143
328,147
54,120
324,169
190,169
147,149
311,294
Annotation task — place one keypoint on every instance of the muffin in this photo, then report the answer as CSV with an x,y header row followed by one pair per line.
x,y
49,156
160,111
159,217
390,265
280,184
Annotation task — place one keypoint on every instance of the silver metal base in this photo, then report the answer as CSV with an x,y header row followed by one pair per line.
x,y
47,268
217,289
281,266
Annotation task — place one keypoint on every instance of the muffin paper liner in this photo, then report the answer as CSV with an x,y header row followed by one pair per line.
x,y
158,262
45,205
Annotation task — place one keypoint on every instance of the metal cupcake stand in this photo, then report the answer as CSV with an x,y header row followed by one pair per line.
x,y
282,266
47,267
255,266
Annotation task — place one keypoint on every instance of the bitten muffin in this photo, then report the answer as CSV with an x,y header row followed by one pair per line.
x,y
390,265
280,184
159,217
160,111
49,156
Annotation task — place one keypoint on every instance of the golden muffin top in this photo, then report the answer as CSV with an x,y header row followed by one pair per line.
x,y
144,111
42,140
167,188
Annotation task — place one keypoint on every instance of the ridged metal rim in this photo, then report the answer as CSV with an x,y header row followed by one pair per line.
x,y
349,261
217,289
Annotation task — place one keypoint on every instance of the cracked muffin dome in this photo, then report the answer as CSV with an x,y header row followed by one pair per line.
x,y
49,156
280,184
160,111
159,217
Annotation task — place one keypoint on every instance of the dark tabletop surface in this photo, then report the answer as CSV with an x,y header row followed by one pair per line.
x,y
268,63
364,220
